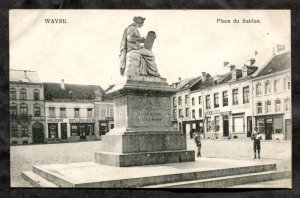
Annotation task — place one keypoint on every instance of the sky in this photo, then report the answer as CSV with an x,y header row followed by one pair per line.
x,y
188,42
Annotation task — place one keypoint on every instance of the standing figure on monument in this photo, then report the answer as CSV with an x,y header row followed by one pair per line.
x,y
137,60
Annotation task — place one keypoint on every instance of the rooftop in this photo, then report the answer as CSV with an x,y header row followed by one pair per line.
x,y
24,76
54,91
278,63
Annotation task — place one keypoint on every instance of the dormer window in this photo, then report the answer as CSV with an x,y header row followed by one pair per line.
x,y
244,72
234,75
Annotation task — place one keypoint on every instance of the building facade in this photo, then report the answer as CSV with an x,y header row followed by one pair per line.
x,y
27,115
230,105
272,98
104,116
70,112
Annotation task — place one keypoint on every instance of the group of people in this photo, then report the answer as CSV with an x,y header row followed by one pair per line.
x,y
256,137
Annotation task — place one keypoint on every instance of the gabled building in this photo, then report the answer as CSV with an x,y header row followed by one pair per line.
x,y
27,115
181,104
70,111
272,98
104,114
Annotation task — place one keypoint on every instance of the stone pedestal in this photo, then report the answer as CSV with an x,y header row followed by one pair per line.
x,y
143,133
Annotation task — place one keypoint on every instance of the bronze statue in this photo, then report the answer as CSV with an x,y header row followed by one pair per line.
x,y
137,59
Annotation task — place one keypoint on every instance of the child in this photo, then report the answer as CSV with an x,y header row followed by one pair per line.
x,y
198,143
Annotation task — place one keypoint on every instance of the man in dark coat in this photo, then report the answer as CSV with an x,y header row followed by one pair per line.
x,y
198,144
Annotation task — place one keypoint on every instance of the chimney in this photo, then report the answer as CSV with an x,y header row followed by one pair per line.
x,y
232,67
62,85
179,78
252,61
25,73
203,76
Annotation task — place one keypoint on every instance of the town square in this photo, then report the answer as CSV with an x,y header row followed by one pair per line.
x,y
165,113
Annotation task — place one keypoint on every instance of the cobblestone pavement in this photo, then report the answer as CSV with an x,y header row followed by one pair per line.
x,y
24,157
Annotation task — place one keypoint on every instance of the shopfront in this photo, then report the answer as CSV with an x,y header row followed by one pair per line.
x,y
82,127
272,126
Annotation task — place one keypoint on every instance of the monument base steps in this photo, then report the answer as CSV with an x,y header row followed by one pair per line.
x,y
205,173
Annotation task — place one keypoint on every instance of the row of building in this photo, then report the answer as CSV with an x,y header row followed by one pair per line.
x,y
221,106
56,112
230,105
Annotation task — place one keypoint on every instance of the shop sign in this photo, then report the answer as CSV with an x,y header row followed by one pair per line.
x,y
56,120
212,112
81,120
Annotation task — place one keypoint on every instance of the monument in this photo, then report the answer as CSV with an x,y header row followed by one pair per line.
x,y
143,132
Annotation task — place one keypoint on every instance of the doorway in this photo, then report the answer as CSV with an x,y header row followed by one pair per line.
x,y
249,126
288,129
269,128
63,127
37,133
82,132
225,126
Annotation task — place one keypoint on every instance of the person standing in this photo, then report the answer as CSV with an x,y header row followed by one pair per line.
x,y
256,137
198,143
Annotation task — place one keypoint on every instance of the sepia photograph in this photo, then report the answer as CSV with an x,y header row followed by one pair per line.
x,y
150,98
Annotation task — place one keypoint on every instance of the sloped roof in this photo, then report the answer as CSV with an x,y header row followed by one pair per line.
x,y
25,76
53,91
278,63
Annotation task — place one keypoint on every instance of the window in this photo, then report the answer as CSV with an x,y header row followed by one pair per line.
x,y
235,100
233,75
186,99
52,112
200,112
36,95
208,124
216,100
277,86
258,89
14,131
89,112
287,84
238,124
208,102
180,113
277,105
287,104
193,114
74,130
174,114
267,87
12,94
268,106
199,100
37,111
193,101
260,123
23,94
179,100
187,112
259,107
217,123
111,113
23,110
278,125
225,98
246,95
63,113
245,72
24,131
103,112
13,110
77,112
174,102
